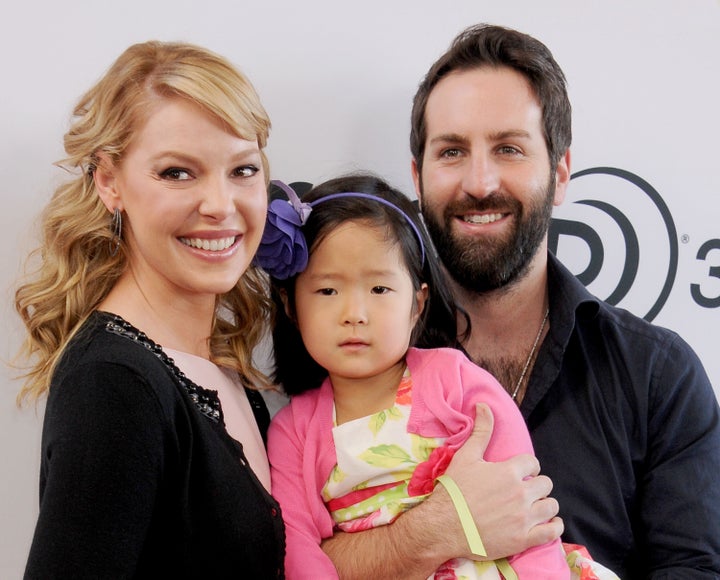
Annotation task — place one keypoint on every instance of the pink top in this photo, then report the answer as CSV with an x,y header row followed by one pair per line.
x,y
446,387
239,419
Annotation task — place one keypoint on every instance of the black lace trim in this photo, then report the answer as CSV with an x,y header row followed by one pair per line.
x,y
206,401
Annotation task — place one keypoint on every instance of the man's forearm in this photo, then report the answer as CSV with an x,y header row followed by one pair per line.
x,y
413,546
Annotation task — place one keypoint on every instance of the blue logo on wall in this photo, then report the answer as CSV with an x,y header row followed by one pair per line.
x,y
637,206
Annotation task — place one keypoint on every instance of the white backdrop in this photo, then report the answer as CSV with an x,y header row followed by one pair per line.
x,y
337,79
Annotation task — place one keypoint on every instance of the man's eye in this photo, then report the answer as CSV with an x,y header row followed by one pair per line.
x,y
175,174
450,153
509,150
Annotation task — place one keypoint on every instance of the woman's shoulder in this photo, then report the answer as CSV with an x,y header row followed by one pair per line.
x,y
105,327
110,355
107,340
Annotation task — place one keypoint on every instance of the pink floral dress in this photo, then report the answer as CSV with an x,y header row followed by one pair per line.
x,y
383,470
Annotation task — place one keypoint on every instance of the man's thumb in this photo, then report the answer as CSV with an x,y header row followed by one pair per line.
x,y
482,431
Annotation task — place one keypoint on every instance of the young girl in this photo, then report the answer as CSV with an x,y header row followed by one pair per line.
x,y
372,423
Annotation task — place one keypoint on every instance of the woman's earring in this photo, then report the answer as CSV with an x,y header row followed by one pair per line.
x,y
116,227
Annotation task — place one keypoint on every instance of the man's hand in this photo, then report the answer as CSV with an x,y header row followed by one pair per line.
x,y
508,500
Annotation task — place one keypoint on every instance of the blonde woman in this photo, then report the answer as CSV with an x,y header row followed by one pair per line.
x,y
141,315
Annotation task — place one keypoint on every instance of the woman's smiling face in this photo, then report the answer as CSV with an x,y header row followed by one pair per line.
x,y
193,197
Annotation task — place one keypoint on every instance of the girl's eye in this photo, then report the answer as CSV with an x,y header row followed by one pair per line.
x,y
327,291
175,174
380,290
245,171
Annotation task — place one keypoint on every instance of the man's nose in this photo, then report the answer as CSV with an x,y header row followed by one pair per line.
x,y
481,176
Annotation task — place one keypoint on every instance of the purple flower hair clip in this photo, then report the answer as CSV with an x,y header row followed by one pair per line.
x,y
283,251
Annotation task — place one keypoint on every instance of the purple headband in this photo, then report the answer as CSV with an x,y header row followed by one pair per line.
x,y
283,250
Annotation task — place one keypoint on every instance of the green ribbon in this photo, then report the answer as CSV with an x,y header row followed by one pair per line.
x,y
463,511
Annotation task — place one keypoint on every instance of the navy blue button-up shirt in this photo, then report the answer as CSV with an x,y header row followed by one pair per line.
x,y
625,422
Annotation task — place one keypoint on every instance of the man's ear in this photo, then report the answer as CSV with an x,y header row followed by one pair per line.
x,y
562,178
416,180
105,178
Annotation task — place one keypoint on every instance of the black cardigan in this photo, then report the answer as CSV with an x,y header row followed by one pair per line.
x,y
139,478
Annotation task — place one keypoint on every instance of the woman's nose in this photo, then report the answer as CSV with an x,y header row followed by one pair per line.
x,y
217,199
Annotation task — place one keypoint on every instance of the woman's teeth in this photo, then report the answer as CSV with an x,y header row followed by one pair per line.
x,y
214,245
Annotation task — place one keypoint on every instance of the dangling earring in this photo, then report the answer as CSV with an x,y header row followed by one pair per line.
x,y
116,227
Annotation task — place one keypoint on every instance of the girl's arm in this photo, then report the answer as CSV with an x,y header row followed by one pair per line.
x,y
307,522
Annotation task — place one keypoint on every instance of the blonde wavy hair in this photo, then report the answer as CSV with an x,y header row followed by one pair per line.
x,y
75,267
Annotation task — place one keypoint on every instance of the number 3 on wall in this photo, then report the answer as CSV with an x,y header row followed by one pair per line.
x,y
713,272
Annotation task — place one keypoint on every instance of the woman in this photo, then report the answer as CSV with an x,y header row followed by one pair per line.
x,y
145,472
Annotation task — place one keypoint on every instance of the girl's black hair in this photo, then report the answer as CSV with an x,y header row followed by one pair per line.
x,y
294,368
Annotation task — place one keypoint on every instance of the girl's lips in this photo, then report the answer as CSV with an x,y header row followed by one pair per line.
x,y
353,343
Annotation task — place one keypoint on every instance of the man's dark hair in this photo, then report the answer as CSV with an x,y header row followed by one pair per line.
x,y
485,45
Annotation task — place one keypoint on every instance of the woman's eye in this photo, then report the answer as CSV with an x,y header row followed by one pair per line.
x,y
246,171
175,174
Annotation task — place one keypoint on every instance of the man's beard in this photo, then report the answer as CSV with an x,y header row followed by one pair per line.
x,y
481,266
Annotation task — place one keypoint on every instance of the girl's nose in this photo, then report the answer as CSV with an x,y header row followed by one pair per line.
x,y
355,312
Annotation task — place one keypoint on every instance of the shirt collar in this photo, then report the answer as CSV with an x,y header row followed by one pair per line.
x,y
569,301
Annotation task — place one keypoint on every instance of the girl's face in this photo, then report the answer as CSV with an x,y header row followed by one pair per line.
x,y
194,202
355,303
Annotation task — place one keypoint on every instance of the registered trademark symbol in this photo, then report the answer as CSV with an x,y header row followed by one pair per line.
x,y
684,238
